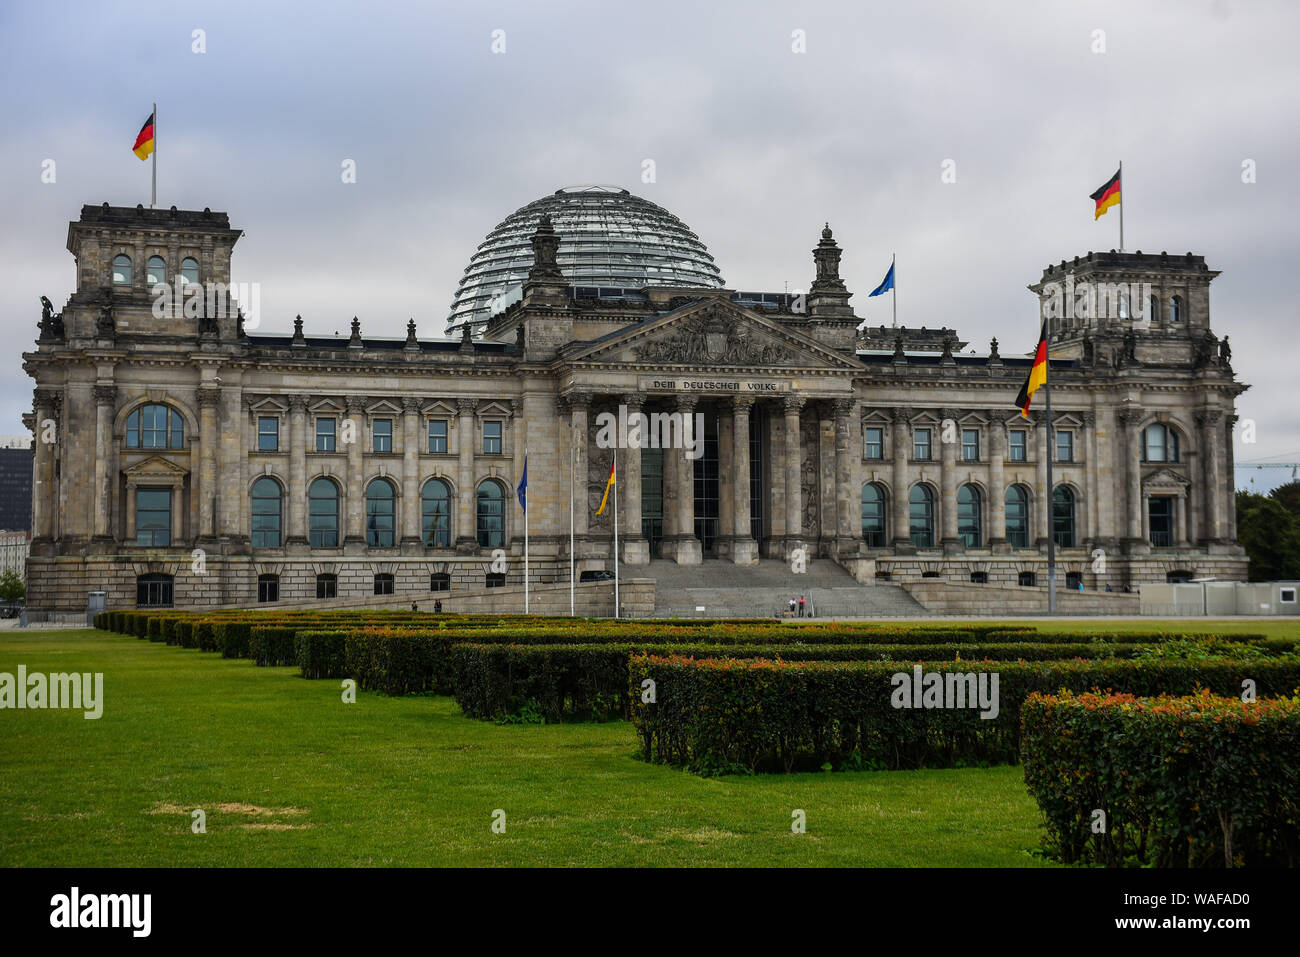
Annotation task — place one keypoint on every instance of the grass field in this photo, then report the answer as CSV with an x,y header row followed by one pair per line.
x,y
288,775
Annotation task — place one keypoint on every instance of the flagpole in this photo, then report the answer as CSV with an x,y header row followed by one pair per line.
x,y
526,535
1049,452
893,263
153,199
616,532
1121,205
571,575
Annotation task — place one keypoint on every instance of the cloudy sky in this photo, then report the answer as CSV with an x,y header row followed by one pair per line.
x,y
754,146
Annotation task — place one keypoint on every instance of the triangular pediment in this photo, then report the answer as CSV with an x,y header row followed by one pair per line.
x,y
154,467
1165,478
713,333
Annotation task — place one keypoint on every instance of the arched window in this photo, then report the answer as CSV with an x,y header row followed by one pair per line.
x,y
969,528
1063,517
189,270
381,509
155,271
920,509
435,511
154,427
873,515
491,515
153,591
323,514
1175,308
266,513
121,270
1153,308
1159,443
1017,516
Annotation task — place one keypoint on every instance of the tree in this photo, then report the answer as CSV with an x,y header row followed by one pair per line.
x,y
12,588
1270,533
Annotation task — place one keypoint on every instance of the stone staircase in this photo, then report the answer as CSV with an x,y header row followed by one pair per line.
x,y
725,590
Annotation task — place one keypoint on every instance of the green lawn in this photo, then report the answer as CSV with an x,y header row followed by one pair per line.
x,y
290,776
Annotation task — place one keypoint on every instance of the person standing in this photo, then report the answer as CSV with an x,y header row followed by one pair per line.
x,y
801,605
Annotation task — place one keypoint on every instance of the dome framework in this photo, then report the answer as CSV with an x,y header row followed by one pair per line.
x,y
608,238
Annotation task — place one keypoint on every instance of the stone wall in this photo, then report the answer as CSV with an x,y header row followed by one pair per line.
x,y
979,601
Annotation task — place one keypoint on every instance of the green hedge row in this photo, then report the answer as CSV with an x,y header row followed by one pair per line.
x,y
493,680
736,714
1195,781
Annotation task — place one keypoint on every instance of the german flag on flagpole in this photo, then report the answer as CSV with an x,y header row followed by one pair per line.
x,y
144,141
1037,374
608,485
1107,196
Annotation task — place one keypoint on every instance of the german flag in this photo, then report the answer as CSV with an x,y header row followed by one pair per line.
x,y
608,485
144,142
1037,374
1107,196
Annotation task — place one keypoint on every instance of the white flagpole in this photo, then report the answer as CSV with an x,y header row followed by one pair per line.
x,y
893,271
616,532
571,565
525,534
1121,205
153,200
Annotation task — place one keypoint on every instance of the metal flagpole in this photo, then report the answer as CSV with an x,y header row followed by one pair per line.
x,y
1121,205
525,534
153,200
1049,452
571,576
616,532
893,271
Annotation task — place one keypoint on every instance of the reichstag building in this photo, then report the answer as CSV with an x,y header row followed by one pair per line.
x,y
187,460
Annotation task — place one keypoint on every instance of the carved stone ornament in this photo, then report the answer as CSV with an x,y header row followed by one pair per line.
x,y
714,337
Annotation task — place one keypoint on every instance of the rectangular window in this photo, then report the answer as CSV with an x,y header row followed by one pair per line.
x,y
491,438
495,580
875,444
1019,444
438,436
327,586
325,435
439,581
921,445
1286,596
1064,445
268,588
383,584
153,516
970,445
268,433
1160,509
382,433
1074,581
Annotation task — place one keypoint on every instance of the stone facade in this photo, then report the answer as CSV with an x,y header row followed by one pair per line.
x,y
185,458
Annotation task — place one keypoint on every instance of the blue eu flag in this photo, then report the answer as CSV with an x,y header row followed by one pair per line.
x,y
885,286
522,491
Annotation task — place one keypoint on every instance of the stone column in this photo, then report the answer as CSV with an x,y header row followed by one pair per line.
x,y
579,404
410,532
686,547
902,442
1091,483
744,548
1042,494
355,496
948,479
208,440
129,533
776,488
726,485
105,397
1211,421
232,494
466,439
791,406
45,404
1180,520
1229,423
1129,419
297,491
848,501
997,484
636,548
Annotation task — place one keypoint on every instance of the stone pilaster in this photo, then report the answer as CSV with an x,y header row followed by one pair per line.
x,y
355,533
466,442
1210,422
636,549
409,530
948,478
1042,494
848,505
105,458
297,491
579,408
791,406
46,404
902,444
997,485
209,398
1131,454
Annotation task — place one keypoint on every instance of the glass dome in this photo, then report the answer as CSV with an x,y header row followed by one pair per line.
x,y
608,237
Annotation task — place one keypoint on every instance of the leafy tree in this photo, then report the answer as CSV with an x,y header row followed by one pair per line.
x,y
1270,533
11,586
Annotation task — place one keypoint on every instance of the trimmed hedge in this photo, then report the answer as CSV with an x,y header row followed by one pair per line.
x,y
495,680
320,654
1196,781
736,714
273,645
